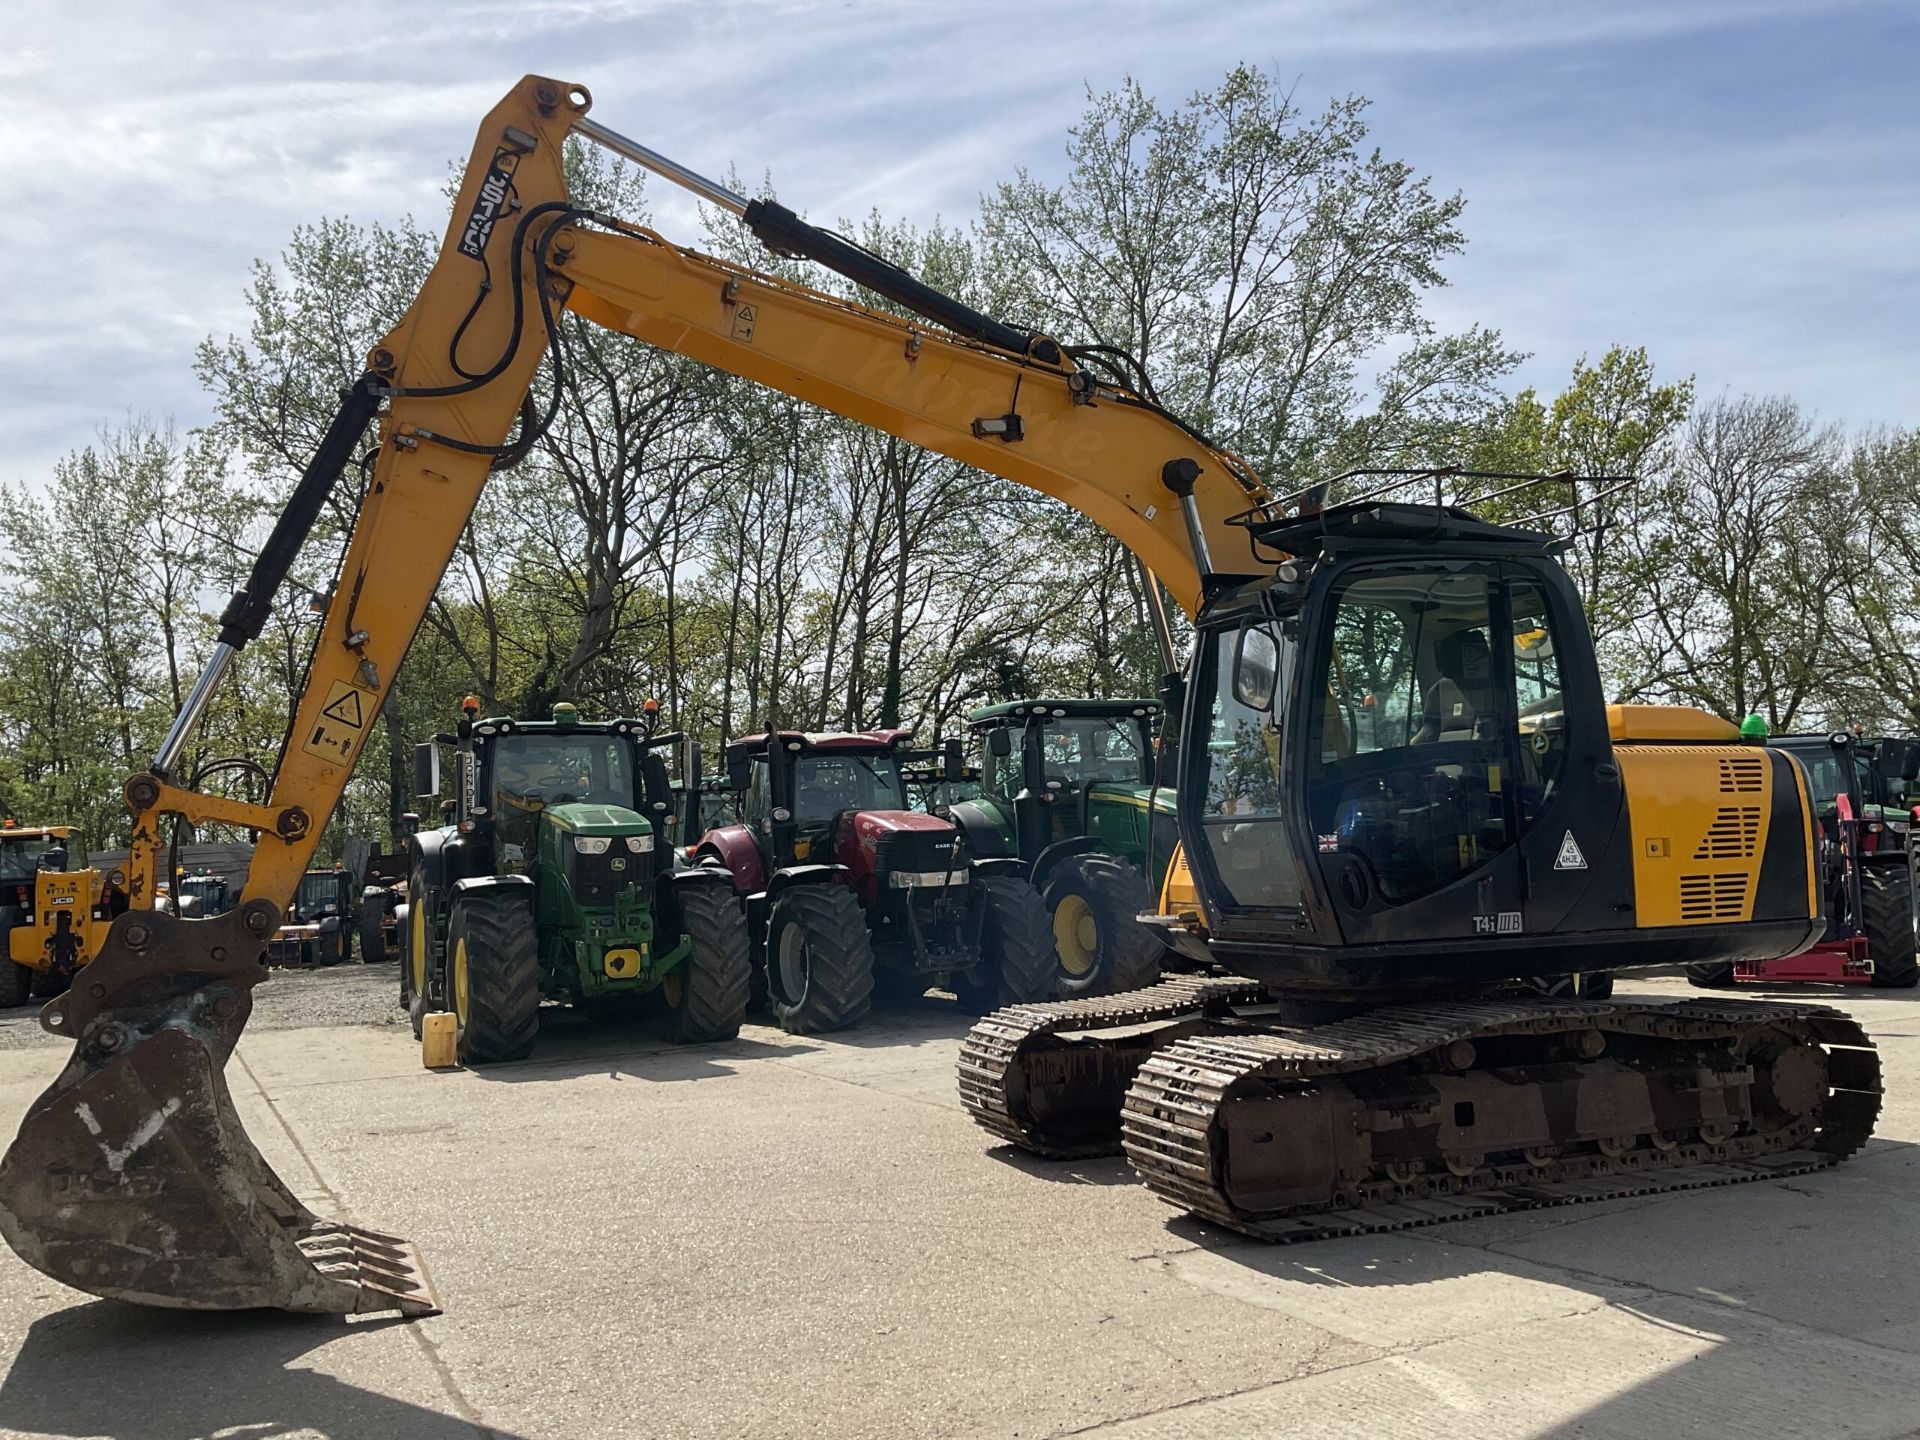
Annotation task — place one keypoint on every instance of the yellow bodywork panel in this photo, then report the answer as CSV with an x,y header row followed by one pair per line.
x,y
56,892
1668,722
1699,817
926,387
1178,894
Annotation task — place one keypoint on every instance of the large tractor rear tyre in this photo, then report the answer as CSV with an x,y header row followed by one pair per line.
x,y
372,926
1101,948
819,959
1017,962
493,971
706,994
1886,904
1712,977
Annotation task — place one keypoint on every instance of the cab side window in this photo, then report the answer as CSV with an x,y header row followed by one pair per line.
x,y
755,803
1539,709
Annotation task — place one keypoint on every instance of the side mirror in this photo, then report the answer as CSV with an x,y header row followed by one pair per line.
x,y
410,822
739,770
952,761
1000,742
426,770
690,762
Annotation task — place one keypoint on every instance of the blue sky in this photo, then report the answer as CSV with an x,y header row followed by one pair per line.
x,y
1732,183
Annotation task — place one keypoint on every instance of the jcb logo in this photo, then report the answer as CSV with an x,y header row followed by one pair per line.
x,y
487,208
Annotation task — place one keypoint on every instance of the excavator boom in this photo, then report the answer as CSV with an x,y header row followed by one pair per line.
x,y
132,1177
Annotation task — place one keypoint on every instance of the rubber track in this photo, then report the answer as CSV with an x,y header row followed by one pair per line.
x,y
989,1055
1173,1143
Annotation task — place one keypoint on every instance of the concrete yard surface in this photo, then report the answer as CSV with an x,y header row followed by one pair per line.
x,y
806,1237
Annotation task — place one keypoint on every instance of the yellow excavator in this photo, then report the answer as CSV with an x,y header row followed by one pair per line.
x,y
1395,796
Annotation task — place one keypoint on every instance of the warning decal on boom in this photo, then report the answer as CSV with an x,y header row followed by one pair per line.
x,y
342,718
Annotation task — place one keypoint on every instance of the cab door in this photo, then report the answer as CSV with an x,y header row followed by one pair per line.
x,y
1459,779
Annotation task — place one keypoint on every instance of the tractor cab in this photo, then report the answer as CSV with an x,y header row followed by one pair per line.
x,y
26,850
937,779
1863,828
314,929
837,799
205,894
1054,770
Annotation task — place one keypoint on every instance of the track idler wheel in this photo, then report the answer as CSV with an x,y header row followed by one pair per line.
x,y
132,1177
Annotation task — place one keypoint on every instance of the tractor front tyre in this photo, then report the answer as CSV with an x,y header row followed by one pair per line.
x,y
373,935
819,959
1017,962
493,970
1886,905
16,986
706,994
1100,945
416,950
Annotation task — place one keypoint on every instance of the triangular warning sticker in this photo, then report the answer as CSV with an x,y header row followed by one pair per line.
x,y
1569,857
345,707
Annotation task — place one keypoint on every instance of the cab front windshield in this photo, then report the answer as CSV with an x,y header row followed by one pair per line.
x,y
1827,776
317,893
828,782
21,856
532,771
1082,749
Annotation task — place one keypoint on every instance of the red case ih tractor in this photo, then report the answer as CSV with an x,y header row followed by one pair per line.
x,y
841,879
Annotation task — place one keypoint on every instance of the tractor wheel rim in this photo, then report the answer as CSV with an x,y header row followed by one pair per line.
x,y
672,990
417,946
795,964
1076,936
460,983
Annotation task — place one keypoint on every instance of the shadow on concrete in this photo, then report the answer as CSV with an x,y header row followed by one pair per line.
x,y
567,1051
1791,1298
106,1368
1088,1170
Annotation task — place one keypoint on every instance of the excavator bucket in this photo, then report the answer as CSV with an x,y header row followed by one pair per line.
x,y
132,1177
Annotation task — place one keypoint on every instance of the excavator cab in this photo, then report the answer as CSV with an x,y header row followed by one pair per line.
x,y
1401,773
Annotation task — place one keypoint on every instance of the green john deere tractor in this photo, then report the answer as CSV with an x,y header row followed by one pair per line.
x,y
558,879
1067,787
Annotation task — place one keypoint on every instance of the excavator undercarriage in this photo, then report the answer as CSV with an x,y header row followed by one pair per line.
x,y
1411,1115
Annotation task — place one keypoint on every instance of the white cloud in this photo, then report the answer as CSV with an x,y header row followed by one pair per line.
x,y
158,150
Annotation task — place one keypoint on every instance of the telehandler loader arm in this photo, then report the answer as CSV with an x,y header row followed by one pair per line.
x,y
131,1177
